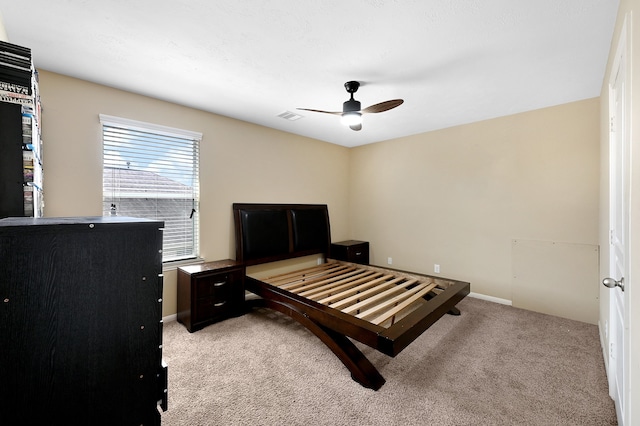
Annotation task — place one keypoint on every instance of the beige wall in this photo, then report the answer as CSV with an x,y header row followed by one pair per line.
x,y
459,197
456,197
240,162
630,8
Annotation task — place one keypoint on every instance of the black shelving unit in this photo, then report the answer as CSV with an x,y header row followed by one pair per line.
x,y
21,176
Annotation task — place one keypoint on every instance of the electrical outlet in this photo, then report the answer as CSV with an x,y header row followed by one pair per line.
x,y
436,268
389,261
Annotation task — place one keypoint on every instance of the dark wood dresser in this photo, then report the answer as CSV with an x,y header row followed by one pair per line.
x,y
210,292
81,321
351,251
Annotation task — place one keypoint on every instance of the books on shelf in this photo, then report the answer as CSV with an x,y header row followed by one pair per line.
x,y
16,74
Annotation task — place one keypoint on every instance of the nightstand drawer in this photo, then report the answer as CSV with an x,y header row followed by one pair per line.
x,y
351,251
210,307
216,286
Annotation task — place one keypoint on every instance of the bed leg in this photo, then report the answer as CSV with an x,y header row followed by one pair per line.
x,y
453,311
362,371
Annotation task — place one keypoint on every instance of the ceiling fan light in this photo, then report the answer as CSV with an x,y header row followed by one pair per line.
x,y
351,118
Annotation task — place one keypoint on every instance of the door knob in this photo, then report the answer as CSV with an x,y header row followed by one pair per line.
x,y
612,283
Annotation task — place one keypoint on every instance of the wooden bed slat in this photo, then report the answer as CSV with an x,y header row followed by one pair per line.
x,y
408,294
342,276
372,279
310,279
300,272
397,309
352,294
326,290
334,281
380,296
293,277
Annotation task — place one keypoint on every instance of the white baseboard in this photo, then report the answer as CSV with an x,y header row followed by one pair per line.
x,y
491,299
170,318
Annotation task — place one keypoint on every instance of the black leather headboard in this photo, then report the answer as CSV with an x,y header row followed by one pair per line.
x,y
270,232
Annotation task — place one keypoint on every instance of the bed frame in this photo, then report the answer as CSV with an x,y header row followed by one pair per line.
x,y
382,308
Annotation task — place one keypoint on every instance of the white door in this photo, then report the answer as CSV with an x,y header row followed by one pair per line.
x,y
619,231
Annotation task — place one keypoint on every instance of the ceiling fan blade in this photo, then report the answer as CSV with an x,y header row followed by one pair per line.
x,y
318,110
383,106
356,127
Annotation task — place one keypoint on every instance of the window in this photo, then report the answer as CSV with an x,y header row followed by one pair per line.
x,y
151,171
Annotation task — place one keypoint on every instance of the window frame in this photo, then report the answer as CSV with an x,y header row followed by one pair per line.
x,y
160,130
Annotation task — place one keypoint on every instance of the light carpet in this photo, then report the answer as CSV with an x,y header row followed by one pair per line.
x,y
492,365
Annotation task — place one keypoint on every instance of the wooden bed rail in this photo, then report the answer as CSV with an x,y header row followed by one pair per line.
x,y
383,308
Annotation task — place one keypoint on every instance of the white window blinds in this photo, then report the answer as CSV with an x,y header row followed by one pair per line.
x,y
151,171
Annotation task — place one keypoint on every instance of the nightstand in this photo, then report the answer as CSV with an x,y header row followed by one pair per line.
x,y
351,251
210,292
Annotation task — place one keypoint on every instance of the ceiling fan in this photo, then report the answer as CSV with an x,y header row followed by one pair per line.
x,y
351,112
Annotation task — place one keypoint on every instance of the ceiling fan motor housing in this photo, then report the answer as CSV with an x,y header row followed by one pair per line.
x,y
351,105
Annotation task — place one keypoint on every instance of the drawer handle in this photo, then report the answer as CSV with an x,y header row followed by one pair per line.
x,y
219,283
217,305
358,253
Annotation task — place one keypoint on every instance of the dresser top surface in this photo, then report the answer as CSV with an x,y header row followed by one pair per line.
x,y
80,220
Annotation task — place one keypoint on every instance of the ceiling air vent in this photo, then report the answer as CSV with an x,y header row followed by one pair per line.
x,y
291,116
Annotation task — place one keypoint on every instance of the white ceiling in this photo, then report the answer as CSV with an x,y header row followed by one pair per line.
x,y
452,61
